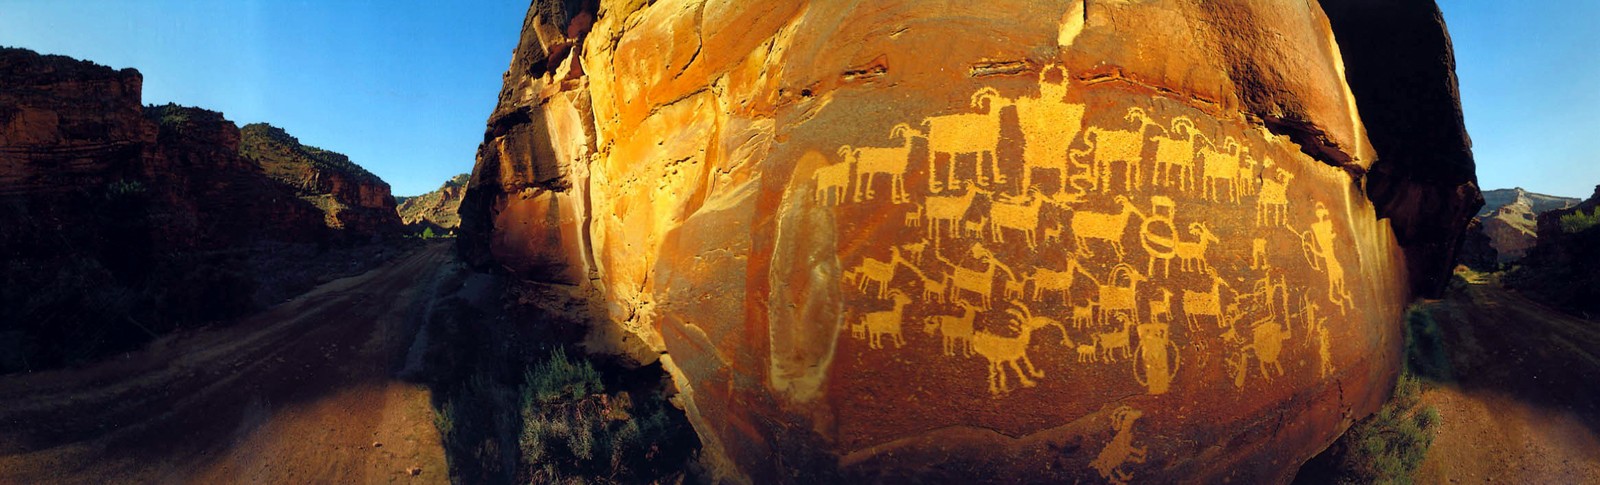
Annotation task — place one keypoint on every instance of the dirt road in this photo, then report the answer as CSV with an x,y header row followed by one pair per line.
x,y
1525,406
304,392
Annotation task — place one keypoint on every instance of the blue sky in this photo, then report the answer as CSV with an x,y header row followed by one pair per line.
x,y
404,87
1530,91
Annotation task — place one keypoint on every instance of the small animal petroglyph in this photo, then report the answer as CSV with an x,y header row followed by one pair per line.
x,y
874,326
1272,206
950,211
891,161
914,217
955,330
1005,351
1175,152
1112,146
1120,451
1220,167
1023,217
1197,304
915,250
1105,227
1192,255
1120,291
1112,342
832,183
974,229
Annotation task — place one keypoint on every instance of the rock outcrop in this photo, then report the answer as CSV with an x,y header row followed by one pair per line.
x,y
1401,67
120,221
1563,267
966,242
354,202
437,210
1477,250
1493,200
1509,219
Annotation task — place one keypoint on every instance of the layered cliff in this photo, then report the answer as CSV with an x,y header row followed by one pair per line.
x,y
1563,267
1510,219
1021,241
437,210
122,222
354,202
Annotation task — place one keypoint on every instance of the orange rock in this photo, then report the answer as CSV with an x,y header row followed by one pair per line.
x,y
960,242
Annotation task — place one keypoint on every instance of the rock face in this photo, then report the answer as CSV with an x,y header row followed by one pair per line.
x,y
1509,219
354,202
437,210
120,221
1401,68
1477,250
1007,242
1563,268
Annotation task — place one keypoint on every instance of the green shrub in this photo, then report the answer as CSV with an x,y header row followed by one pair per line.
x,y
1389,446
427,233
1424,341
1577,221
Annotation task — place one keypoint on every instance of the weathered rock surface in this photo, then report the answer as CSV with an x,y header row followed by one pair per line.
x,y
959,242
1402,69
354,202
437,210
1563,267
1477,250
119,222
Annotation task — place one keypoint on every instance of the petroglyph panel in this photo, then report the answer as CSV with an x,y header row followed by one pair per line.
x,y
1048,236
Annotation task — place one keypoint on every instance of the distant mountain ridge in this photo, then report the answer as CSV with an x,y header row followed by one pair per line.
x,y
1510,219
1493,200
437,209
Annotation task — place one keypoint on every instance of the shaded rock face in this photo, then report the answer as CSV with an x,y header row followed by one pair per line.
x,y
354,202
1563,267
1020,241
1477,250
1401,68
436,210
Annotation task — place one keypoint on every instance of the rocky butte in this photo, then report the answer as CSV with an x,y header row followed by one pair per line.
x,y
987,242
122,221
438,210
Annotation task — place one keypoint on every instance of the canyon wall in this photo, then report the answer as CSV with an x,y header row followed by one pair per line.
x,y
120,222
948,241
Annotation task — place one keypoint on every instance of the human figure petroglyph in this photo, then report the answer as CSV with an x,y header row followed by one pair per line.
x,y
956,331
1219,167
1049,127
1158,236
1105,227
1120,451
1114,298
1319,247
1317,328
1248,174
833,182
1006,351
1175,152
1112,146
1152,357
876,325
1272,205
1021,217
1193,254
1198,304
891,161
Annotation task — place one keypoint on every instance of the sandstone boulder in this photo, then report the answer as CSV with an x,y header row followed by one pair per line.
x,y
955,241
